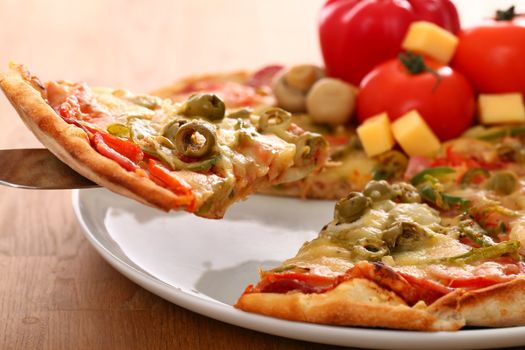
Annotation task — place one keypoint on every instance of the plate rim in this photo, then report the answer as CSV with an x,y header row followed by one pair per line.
x,y
324,334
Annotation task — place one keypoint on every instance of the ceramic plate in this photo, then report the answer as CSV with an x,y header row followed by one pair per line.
x,y
204,265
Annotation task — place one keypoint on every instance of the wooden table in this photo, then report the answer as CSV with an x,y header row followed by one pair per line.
x,y
55,290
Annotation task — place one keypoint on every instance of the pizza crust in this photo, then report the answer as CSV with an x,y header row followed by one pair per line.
x,y
71,145
360,302
500,305
356,302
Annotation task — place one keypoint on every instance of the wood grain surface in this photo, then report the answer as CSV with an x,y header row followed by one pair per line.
x,y
56,292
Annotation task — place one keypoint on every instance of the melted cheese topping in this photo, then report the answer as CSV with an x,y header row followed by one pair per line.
x,y
332,252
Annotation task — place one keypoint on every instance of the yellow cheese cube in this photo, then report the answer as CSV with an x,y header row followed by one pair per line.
x,y
430,39
414,135
375,135
501,108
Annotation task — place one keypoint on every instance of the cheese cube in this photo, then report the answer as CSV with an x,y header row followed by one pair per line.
x,y
501,108
414,135
375,135
431,40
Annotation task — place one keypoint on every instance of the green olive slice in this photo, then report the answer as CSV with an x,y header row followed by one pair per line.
x,y
195,139
370,248
378,190
351,208
274,117
207,106
170,130
307,147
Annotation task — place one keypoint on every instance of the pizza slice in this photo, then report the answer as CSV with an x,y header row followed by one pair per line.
x,y
431,255
348,168
194,155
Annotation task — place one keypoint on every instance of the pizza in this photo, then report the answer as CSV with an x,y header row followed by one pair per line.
x,y
440,253
419,242
348,168
194,155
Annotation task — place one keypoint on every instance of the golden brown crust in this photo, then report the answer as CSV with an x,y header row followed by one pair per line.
x,y
495,306
356,302
71,145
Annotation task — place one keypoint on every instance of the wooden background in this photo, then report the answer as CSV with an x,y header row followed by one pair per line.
x,y
56,292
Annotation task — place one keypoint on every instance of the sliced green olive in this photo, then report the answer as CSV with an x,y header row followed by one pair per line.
x,y
370,248
170,130
391,234
307,147
207,106
119,130
351,208
195,139
411,236
378,190
274,117
502,182
165,142
406,193
391,164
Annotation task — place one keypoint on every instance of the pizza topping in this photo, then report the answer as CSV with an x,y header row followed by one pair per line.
x,y
192,142
291,85
351,208
483,253
502,182
119,130
391,165
331,101
274,120
475,233
432,190
195,139
207,106
385,234
264,76
474,176
127,154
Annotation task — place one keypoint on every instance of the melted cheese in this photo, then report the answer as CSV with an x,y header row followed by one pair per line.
x,y
438,246
332,249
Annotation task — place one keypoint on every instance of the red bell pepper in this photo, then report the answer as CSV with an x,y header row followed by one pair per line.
x,y
176,184
357,35
123,152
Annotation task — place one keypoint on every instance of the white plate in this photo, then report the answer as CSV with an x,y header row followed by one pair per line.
x,y
204,265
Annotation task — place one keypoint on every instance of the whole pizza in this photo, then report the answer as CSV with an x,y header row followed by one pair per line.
x,y
419,137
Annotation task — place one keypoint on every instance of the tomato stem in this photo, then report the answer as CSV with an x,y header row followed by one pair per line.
x,y
415,64
506,15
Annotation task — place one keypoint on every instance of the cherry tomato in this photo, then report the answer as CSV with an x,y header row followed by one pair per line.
x,y
446,101
492,55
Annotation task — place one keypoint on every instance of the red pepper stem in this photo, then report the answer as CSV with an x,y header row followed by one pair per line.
x,y
415,64
506,15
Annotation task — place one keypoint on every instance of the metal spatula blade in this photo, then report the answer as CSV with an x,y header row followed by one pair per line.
x,y
38,169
